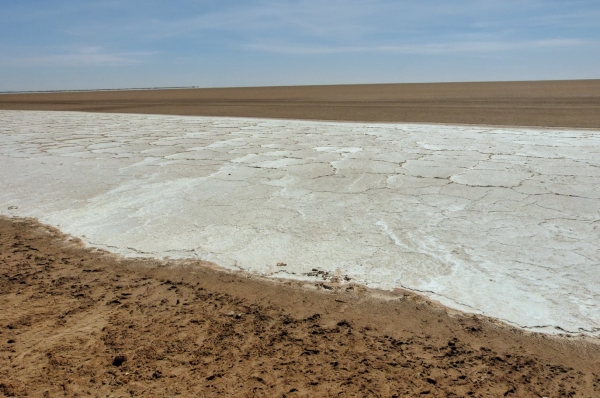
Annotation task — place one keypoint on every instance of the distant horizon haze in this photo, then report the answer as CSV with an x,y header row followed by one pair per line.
x,y
151,88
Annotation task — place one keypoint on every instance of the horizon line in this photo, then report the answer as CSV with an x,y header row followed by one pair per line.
x,y
274,86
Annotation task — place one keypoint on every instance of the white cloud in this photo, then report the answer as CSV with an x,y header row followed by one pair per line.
x,y
87,56
427,48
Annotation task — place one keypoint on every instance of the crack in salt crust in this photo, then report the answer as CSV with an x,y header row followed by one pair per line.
x,y
500,221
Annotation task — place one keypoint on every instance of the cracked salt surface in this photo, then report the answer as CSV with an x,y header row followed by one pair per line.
x,y
499,221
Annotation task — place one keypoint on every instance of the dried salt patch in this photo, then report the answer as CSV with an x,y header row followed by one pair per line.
x,y
500,222
491,178
337,150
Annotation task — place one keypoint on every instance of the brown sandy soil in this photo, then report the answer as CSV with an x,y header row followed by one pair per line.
x,y
573,103
80,322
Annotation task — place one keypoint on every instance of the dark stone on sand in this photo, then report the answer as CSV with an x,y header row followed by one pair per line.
x,y
118,360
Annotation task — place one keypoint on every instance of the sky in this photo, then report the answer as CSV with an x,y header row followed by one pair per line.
x,y
78,45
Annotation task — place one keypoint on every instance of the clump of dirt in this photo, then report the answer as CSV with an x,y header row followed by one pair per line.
x,y
76,321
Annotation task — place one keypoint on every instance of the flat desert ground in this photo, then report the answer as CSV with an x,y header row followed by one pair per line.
x,y
77,321
546,103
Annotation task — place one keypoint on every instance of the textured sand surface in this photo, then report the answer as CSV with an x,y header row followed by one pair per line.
x,y
498,221
76,322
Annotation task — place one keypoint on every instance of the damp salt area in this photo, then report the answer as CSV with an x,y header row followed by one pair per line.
x,y
492,220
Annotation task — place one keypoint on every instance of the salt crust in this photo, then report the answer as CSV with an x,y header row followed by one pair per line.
x,y
498,221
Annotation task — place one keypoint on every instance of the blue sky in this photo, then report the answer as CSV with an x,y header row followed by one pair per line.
x,y
68,44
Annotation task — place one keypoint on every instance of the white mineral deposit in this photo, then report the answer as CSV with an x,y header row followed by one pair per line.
x,y
499,221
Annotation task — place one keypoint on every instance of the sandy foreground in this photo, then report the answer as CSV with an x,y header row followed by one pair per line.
x,y
76,321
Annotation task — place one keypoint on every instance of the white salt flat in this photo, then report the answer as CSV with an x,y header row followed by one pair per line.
x,y
499,221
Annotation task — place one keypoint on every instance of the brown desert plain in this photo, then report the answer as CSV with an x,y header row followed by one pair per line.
x,y
76,321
